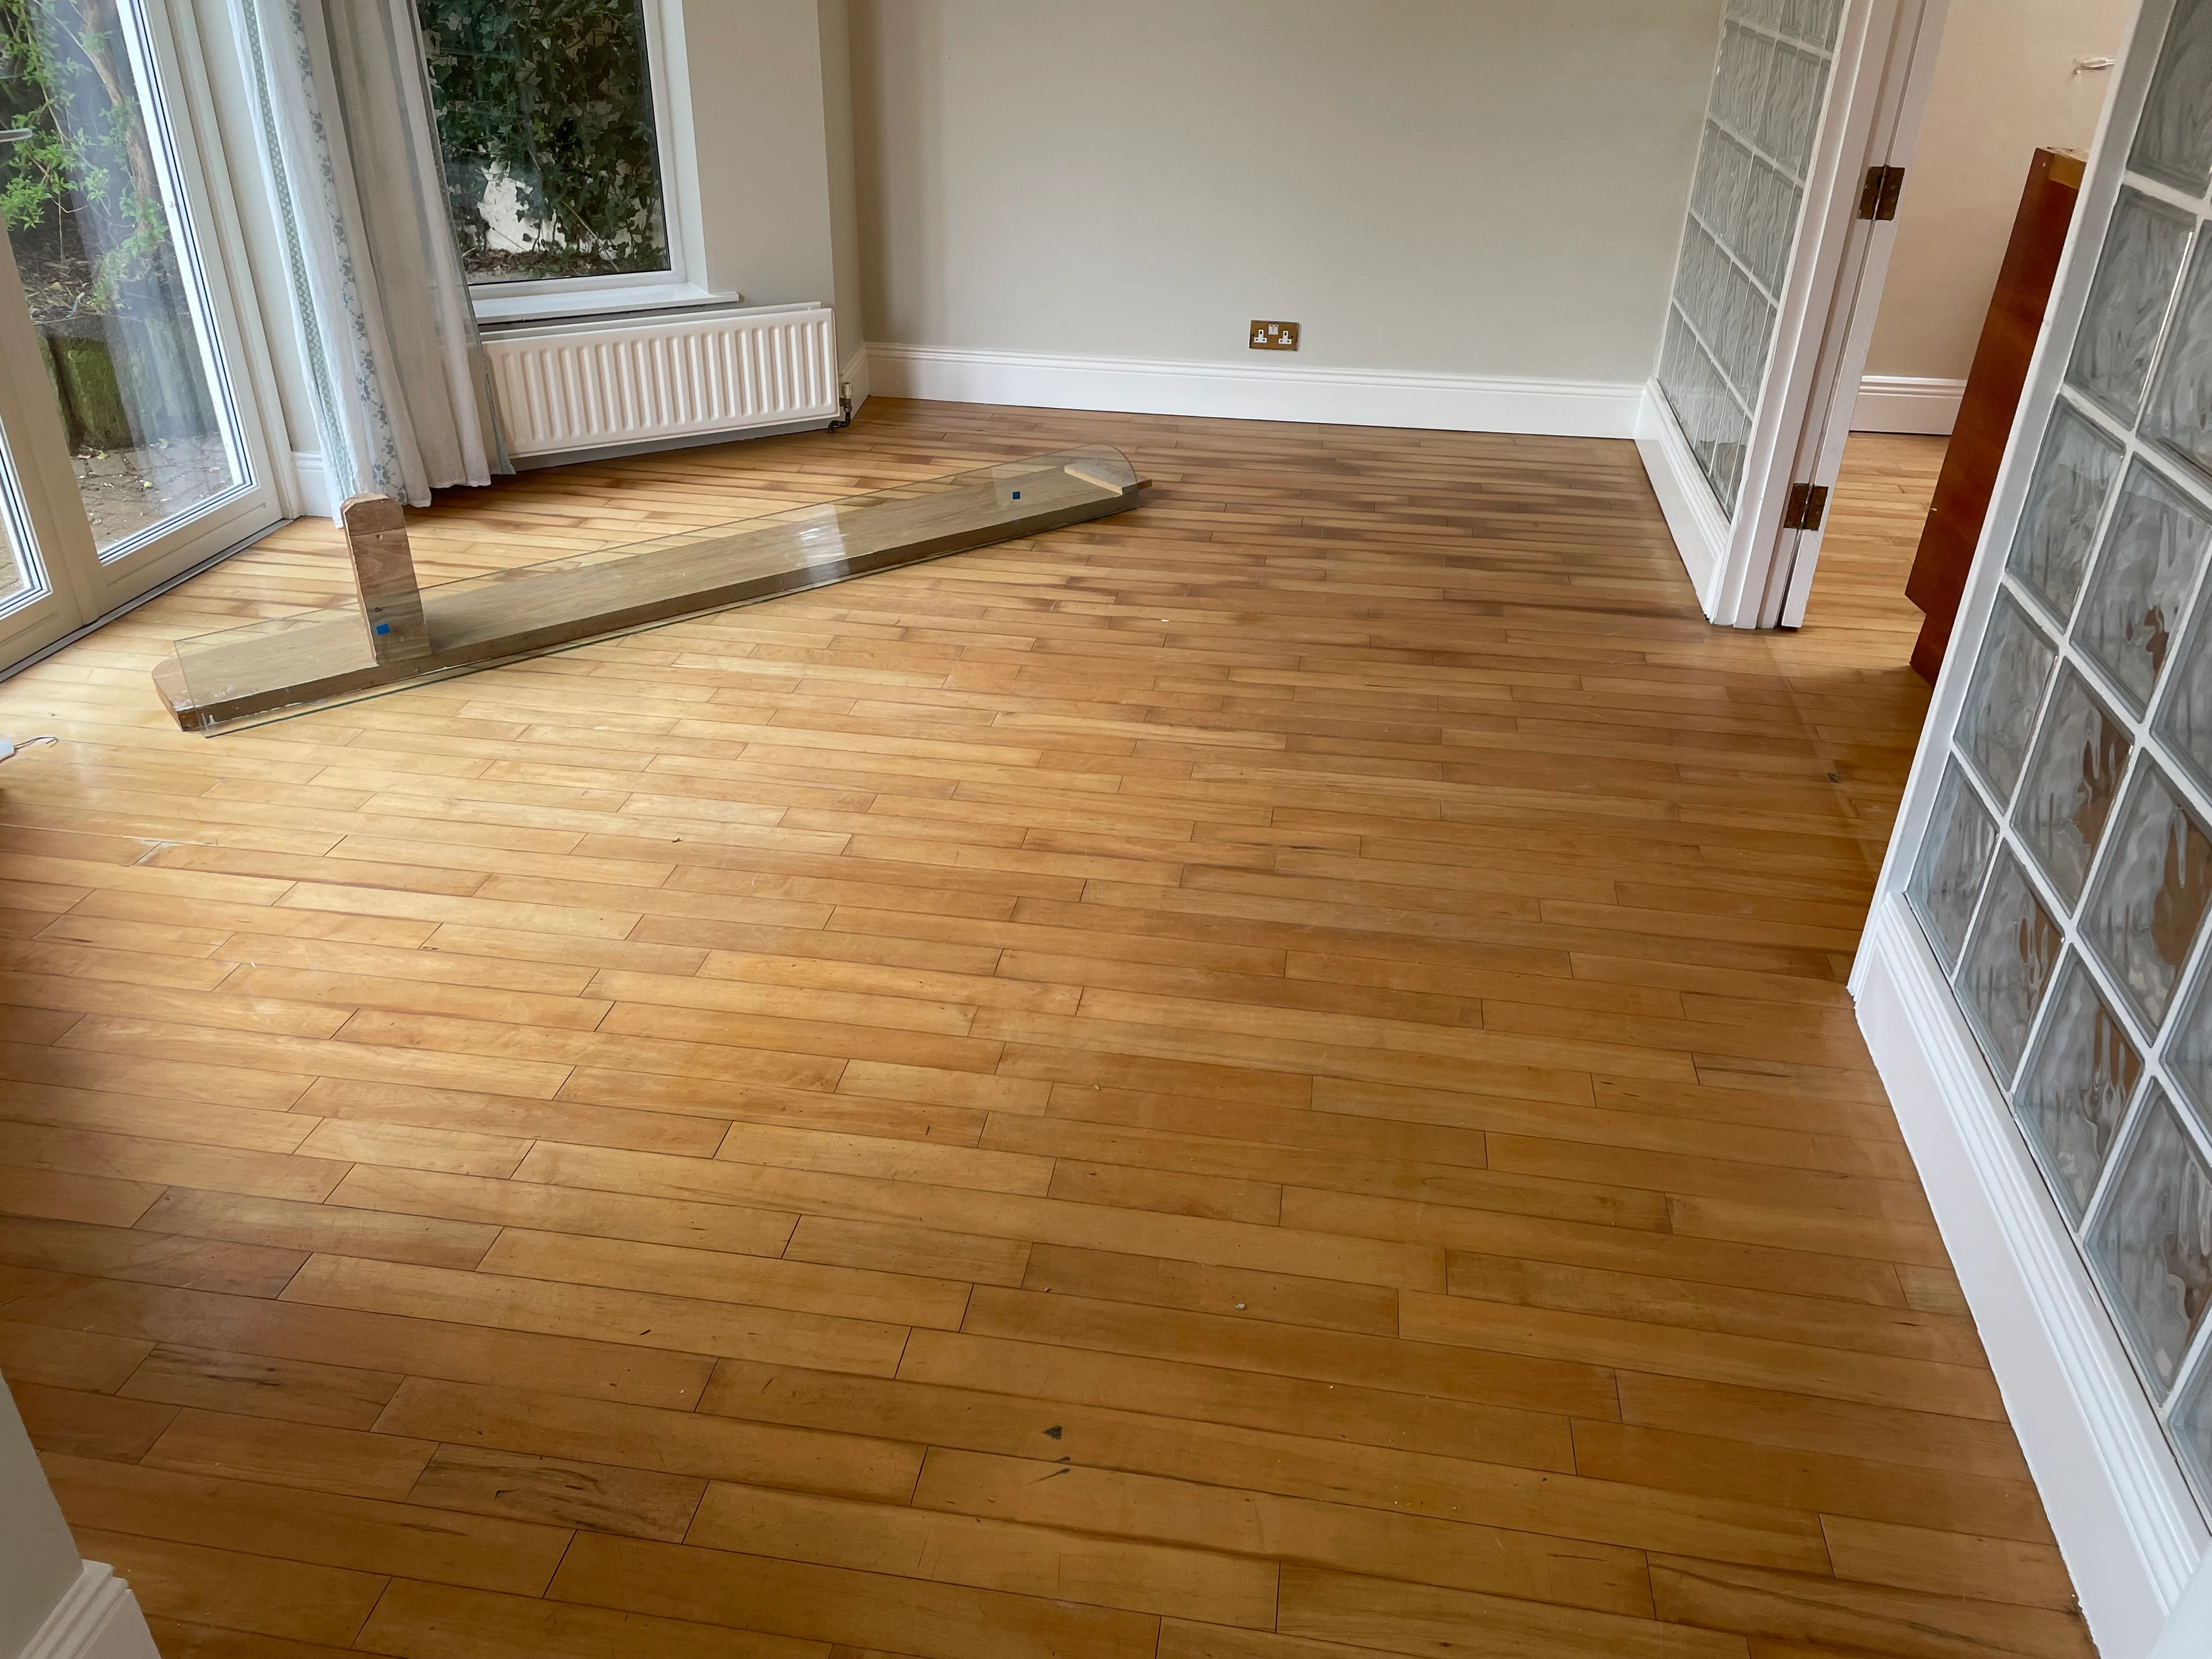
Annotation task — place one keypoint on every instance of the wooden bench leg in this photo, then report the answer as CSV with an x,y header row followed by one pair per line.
x,y
384,577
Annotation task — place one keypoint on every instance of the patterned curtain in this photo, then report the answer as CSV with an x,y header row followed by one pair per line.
x,y
390,342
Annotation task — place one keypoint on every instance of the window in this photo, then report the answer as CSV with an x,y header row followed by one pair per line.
x,y
90,199
547,116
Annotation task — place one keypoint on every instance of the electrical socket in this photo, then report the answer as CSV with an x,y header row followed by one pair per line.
x,y
1274,337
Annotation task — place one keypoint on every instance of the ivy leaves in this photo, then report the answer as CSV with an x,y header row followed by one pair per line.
x,y
545,111
80,196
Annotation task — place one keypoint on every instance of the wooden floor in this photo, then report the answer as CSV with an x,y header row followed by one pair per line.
x,y
1267,1073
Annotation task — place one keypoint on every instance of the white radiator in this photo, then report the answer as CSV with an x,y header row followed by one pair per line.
x,y
585,384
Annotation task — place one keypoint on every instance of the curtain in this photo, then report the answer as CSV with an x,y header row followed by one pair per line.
x,y
402,399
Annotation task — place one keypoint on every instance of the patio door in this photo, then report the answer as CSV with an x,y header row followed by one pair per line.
x,y
131,446
1814,109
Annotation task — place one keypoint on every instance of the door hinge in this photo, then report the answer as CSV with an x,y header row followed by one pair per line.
x,y
1883,186
1807,507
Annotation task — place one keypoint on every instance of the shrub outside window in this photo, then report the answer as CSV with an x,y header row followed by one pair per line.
x,y
546,119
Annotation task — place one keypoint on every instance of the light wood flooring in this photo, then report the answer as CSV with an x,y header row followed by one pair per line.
x,y
1269,1079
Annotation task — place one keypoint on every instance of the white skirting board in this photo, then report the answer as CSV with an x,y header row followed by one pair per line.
x,y
2129,1532
1272,391
1694,519
1905,402
312,480
98,1618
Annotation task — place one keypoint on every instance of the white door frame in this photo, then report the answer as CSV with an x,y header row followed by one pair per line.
x,y
1742,570
163,40
1838,348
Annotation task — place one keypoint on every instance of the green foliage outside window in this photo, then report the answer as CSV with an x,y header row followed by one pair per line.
x,y
545,111
80,196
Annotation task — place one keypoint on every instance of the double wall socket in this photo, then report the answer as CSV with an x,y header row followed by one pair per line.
x,y
1274,337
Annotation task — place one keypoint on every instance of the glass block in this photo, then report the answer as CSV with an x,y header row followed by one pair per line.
x,y
1789,117
2178,417
1721,191
2136,273
2152,1241
2139,588
1730,315
1954,862
2008,965
2189,1049
2074,473
1760,14
2185,715
1716,426
2190,1427
2173,141
2074,1094
2079,759
1740,81
1770,224
2004,696
2157,876
1814,22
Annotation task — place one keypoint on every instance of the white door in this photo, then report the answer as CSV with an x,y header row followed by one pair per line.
x,y
132,441
1814,111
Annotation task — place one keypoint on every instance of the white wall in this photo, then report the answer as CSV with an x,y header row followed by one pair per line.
x,y
1473,187
38,1557
844,186
2004,85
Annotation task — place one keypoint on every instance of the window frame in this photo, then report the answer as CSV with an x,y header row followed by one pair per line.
x,y
569,296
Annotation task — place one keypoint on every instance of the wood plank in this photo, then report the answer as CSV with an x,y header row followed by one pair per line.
x,y
964,1549
85,1424
987,1419
1948,1563
238,1589
606,1497
1469,1555
318,1528
293,1225
678,1441
884,1611
292,1390
644,1319
278,1453
1825,1612
423,1347
439,1621
1400,1618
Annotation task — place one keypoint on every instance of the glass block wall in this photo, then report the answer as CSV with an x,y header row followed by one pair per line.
x,y
1777,57
2066,871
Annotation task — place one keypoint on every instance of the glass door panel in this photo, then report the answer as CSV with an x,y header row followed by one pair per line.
x,y
43,542
99,222
1770,87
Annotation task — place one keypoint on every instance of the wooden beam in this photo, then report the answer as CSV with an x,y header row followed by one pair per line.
x,y
384,580
402,633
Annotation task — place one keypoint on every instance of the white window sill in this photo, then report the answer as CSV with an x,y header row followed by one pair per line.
x,y
515,302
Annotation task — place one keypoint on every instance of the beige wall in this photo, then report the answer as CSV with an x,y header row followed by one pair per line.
x,y
757,107
844,189
2004,84
1465,186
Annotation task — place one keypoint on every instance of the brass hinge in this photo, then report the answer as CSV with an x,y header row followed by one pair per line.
x,y
1878,200
1808,505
